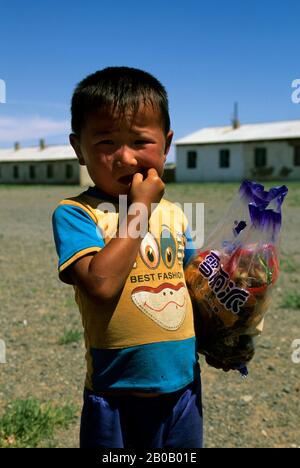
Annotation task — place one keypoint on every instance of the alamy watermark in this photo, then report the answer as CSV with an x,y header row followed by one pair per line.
x,y
2,92
190,215
2,352
296,93
296,351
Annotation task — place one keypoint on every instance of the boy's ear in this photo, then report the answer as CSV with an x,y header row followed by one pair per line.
x,y
169,138
75,143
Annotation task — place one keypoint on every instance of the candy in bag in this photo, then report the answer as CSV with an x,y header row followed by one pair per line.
x,y
231,278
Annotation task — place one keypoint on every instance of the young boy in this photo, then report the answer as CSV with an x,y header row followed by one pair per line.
x,y
142,387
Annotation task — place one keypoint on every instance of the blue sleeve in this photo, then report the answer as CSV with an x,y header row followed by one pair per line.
x,y
75,234
189,249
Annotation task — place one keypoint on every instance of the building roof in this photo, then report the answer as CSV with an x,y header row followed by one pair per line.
x,y
50,153
249,132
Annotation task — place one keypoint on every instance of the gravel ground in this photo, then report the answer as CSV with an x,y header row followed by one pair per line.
x,y
36,310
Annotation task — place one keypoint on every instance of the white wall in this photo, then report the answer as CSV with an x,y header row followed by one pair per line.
x,y
279,154
59,172
208,163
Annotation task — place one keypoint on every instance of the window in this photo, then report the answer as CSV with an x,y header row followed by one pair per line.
x,y
32,172
69,171
297,156
191,159
224,158
49,171
16,172
260,157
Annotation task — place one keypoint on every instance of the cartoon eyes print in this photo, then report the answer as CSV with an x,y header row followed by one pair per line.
x,y
168,247
150,251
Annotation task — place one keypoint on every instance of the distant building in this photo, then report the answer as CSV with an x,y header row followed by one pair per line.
x,y
41,165
49,165
232,153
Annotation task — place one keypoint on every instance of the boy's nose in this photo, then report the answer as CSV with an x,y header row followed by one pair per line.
x,y
126,157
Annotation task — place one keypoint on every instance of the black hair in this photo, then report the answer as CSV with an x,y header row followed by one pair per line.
x,y
119,89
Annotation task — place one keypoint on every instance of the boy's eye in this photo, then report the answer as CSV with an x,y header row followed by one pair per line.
x,y
105,142
141,142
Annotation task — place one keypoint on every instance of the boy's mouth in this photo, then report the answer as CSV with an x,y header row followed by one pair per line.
x,y
126,180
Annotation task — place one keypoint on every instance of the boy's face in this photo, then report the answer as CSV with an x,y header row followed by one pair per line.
x,y
115,149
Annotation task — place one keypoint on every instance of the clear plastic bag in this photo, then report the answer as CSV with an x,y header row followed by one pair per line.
x,y
231,278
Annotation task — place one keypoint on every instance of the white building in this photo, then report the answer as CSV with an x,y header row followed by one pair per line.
x,y
41,165
232,153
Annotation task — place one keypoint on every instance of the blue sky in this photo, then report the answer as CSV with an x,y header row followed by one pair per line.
x,y
207,54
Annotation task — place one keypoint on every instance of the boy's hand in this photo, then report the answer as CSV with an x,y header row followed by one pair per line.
x,y
148,190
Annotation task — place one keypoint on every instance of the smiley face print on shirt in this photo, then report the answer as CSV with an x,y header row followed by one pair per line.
x,y
166,303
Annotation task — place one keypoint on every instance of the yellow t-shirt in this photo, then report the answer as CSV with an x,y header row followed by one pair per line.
x,y
147,343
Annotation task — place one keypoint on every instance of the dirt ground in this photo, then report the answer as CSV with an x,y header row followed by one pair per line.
x,y
36,310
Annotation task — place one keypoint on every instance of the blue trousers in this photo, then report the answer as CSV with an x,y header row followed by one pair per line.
x,y
172,420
